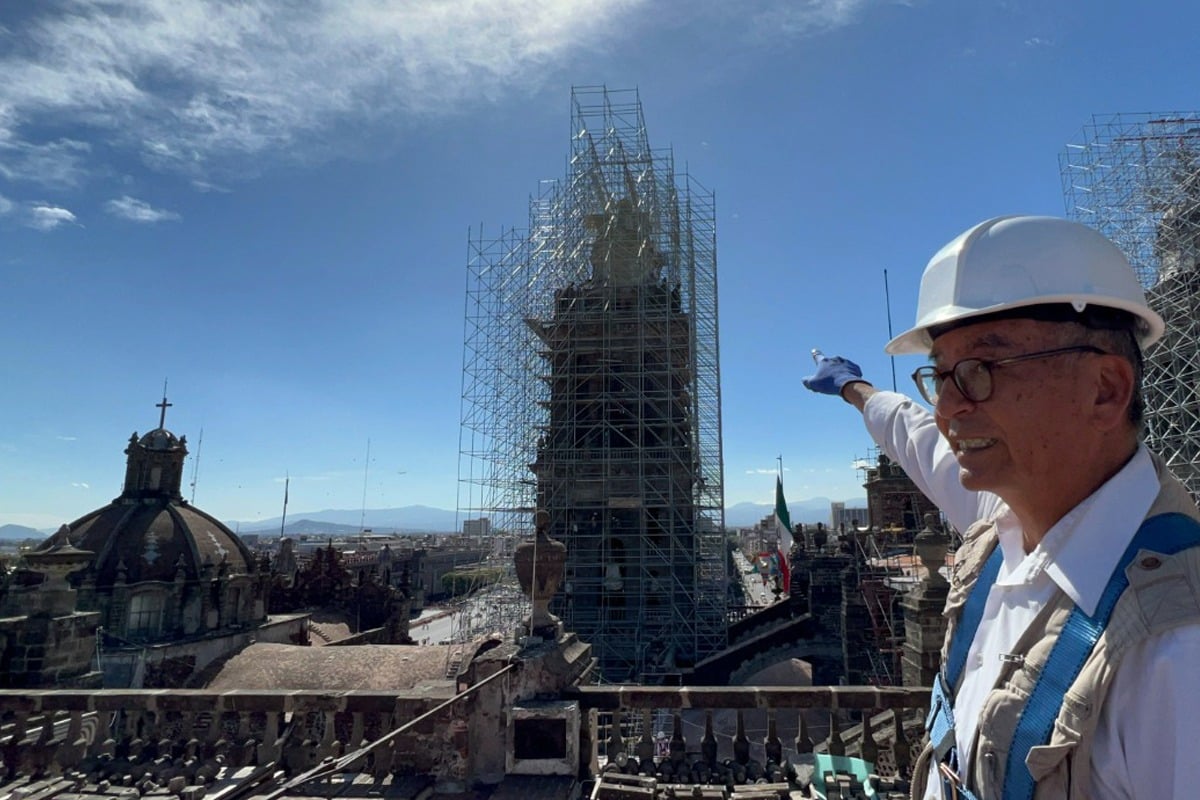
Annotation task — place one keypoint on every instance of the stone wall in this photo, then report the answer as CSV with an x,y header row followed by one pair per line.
x,y
825,593
43,651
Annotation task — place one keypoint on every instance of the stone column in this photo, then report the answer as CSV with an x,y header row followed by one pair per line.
x,y
924,625
548,661
51,643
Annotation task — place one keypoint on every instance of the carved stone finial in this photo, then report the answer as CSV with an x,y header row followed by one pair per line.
x,y
58,560
540,566
931,545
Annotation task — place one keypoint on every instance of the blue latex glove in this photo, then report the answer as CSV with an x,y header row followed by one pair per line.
x,y
832,374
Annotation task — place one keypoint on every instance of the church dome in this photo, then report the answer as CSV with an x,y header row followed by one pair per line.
x,y
158,570
140,540
150,532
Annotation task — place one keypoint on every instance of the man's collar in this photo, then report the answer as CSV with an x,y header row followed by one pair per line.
x,y
1089,541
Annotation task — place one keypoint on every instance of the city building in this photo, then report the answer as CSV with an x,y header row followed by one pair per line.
x,y
516,719
477,528
842,517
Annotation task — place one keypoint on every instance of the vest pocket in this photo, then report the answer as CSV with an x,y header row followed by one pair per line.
x,y
1050,766
1072,719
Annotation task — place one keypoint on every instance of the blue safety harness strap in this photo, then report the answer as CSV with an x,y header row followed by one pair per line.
x,y
968,621
1166,534
940,722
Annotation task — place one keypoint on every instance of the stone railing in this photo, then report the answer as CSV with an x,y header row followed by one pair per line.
x,y
189,743
176,739
753,741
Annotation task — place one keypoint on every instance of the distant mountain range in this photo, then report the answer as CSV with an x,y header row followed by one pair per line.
x,y
305,526
406,519
16,533
425,519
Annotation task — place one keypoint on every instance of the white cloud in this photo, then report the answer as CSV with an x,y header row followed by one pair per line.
x,y
80,485
47,218
67,438
59,164
135,210
40,216
1037,41
188,83
211,90
803,18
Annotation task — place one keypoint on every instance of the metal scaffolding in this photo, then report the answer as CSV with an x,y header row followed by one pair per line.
x,y
591,389
1136,179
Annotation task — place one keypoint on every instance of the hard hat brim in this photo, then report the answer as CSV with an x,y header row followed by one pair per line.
x,y
918,340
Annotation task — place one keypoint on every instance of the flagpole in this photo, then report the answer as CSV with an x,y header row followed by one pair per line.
x,y
783,532
287,481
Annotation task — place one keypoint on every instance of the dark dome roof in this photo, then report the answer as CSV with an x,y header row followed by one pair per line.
x,y
151,537
150,531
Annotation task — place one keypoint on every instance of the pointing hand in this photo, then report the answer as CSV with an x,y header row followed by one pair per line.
x,y
832,374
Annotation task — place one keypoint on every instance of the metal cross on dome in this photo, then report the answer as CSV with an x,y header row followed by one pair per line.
x,y
164,405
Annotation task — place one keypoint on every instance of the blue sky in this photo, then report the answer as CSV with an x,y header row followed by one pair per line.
x,y
268,204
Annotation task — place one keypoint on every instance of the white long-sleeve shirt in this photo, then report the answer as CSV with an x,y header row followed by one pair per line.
x,y
1147,744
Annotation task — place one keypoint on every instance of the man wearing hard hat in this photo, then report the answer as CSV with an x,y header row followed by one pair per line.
x,y
1073,647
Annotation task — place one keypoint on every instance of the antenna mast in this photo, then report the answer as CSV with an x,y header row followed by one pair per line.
x,y
362,520
196,466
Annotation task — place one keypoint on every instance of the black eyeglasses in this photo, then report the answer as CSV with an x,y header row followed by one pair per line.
x,y
973,376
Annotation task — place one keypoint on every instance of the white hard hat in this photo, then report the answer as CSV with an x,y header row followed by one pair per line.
x,y
1011,262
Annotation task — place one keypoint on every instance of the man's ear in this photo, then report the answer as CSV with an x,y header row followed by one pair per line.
x,y
1114,391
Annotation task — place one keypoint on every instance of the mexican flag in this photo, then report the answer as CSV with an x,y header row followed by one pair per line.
x,y
783,529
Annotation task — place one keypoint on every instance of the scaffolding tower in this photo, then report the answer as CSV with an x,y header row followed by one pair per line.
x,y
591,389
1136,179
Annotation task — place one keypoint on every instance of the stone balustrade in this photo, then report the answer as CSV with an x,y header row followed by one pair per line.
x,y
168,741
185,738
753,737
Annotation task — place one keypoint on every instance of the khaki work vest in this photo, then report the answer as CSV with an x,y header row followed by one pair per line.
x,y
1163,594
